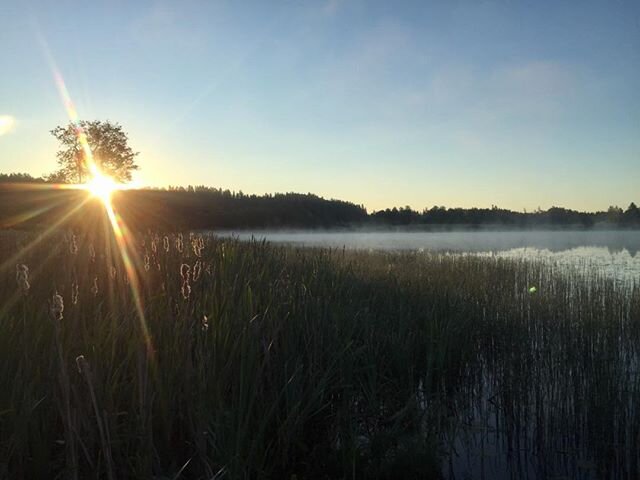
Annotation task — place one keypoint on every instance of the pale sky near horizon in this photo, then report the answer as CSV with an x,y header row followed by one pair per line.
x,y
514,103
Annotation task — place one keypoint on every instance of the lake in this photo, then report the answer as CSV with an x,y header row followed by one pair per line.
x,y
613,253
557,423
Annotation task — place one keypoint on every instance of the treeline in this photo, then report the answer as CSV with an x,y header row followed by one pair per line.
x,y
614,216
211,208
26,200
20,178
28,204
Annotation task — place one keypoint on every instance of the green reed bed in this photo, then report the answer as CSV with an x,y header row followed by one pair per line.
x,y
245,360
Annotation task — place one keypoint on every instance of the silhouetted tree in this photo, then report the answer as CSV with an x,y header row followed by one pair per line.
x,y
57,177
201,207
19,178
631,215
109,147
614,214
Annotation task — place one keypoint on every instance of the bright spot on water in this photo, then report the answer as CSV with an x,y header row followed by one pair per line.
x,y
7,124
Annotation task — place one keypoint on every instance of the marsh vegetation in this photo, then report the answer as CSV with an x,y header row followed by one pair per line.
x,y
203,357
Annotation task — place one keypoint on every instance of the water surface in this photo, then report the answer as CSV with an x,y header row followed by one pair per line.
x,y
534,410
613,253
459,241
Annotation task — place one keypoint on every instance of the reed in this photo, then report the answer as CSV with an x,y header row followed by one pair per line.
x,y
210,358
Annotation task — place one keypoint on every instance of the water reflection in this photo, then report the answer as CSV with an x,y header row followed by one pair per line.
x,y
555,394
461,241
618,263
613,253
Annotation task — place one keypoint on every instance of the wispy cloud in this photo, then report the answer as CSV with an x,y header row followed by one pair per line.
x,y
331,7
527,90
165,24
533,88
537,77
366,63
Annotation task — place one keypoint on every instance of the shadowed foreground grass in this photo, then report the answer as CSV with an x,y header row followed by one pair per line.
x,y
245,360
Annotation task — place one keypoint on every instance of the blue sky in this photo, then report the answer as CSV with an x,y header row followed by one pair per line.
x,y
519,104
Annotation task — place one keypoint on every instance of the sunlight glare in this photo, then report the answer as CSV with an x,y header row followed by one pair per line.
x,y
102,187
7,124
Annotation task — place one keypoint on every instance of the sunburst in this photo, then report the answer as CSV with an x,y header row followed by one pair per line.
x,y
102,187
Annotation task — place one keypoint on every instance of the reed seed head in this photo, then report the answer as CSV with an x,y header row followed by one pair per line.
x,y
74,293
56,306
197,270
186,290
22,277
73,245
81,363
185,272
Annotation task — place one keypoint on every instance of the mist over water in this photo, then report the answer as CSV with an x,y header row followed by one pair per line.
x,y
454,241
535,416
613,252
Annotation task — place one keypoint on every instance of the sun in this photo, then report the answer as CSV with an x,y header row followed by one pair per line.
x,y
102,187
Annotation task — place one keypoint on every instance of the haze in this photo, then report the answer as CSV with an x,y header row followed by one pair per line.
x,y
380,103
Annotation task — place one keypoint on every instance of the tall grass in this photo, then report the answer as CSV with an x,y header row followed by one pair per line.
x,y
255,361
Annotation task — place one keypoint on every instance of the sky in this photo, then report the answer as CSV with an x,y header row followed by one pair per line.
x,y
520,104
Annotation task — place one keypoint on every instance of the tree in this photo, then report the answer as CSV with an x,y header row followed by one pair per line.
x,y
109,147
614,214
19,178
632,214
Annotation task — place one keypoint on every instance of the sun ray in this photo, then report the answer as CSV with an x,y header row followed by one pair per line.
x,y
12,261
121,234
43,236
25,217
101,186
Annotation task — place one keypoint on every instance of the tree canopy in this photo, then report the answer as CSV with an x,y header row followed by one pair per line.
x,y
109,145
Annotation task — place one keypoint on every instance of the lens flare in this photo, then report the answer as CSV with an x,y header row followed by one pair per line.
x,y
7,124
102,187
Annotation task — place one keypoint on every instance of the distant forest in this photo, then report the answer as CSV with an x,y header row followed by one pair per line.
x,y
200,207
